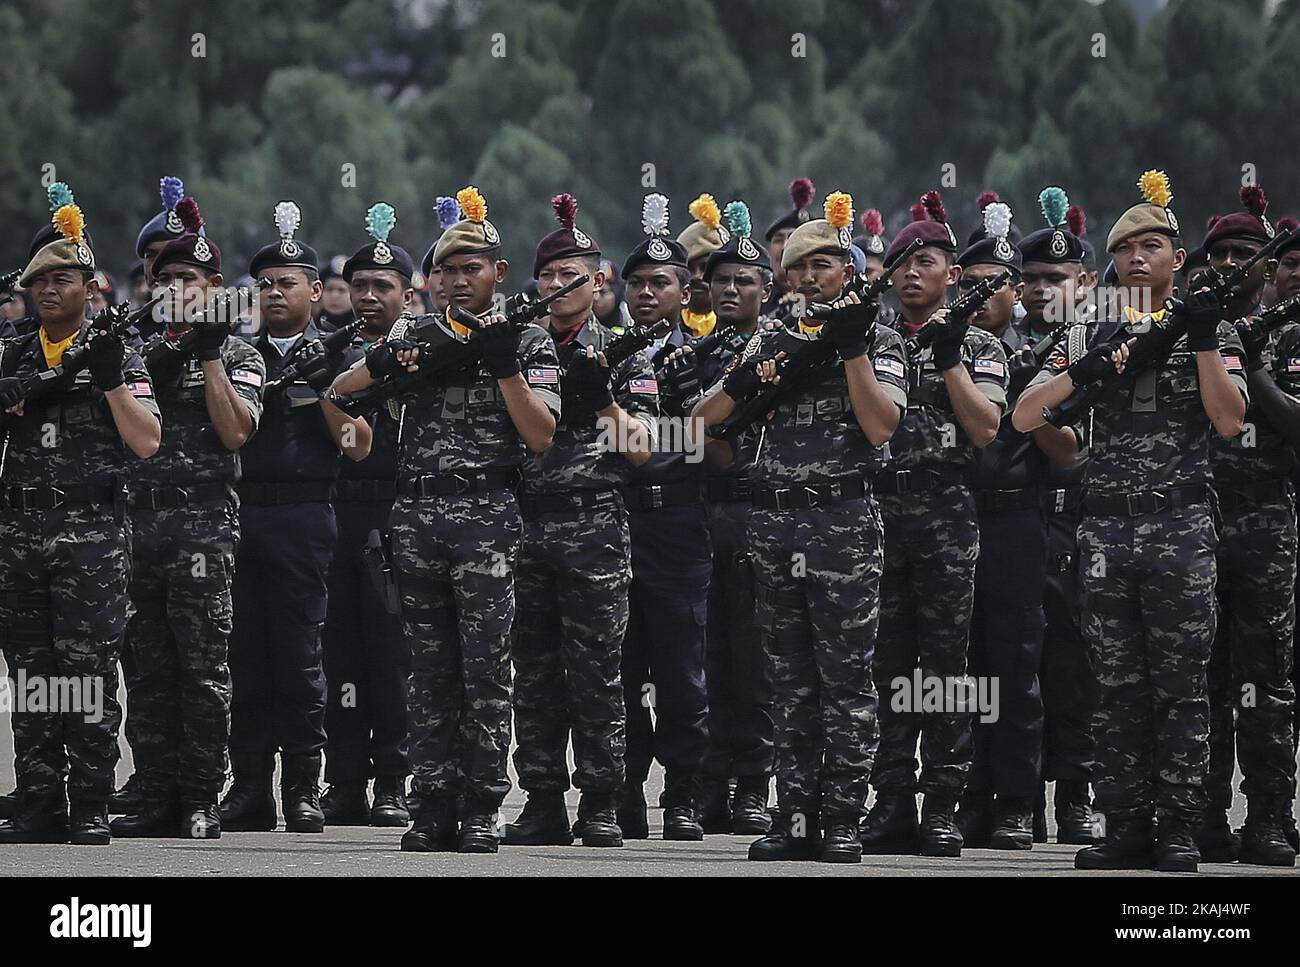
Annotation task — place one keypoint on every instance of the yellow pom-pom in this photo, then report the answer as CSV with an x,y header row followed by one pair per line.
x,y
706,210
70,222
1155,187
472,203
839,209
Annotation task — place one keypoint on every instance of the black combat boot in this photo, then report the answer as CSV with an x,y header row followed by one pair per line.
x,y
346,804
597,823
1013,827
632,816
88,825
792,837
127,799
9,805
840,843
975,818
544,821
156,818
1176,850
478,829
749,812
38,822
1074,824
1263,838
890,828
714,810
1040,814
200,820
249,806
681,823
433,828
300,793
939,833
1215,840
1127,846
389,807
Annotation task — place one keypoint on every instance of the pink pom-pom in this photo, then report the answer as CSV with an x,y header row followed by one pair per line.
x,y
566,209
934,206
801,192
873,223
1076,220
187,210
987,198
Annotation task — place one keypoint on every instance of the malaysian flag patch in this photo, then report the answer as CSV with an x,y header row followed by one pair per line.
x,y
991,367
642,385
1231,362
893,367
140,389
248,376
1293,364
544,376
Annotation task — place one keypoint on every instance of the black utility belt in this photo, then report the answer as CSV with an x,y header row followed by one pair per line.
x,y
27,499
995,501
534,505
727,490
1145,502
365,491
1061,500
804,496
256,494
458,484
167,496
911,481
1234,497
659,496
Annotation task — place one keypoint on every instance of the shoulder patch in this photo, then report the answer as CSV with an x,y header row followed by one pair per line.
x,y
991,367
887,364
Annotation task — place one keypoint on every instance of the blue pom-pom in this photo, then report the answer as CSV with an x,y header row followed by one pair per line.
x,y
448,211
737,215
59,195
172,190
380,220
1055,204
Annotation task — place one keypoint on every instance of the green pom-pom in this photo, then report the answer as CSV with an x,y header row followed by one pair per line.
x,y
1055,204
380,220
59,195
737,215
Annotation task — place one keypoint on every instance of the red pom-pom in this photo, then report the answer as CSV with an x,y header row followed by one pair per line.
x,y
987,198
918,213
1252,196
801,192
873,223
187,210
1288,222
566,209
1076,220
934,206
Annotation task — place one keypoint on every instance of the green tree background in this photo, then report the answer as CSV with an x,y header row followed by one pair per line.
x,y
875,97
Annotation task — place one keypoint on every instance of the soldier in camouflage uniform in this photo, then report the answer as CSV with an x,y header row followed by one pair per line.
x,y
1147,543
456,531
186,526
1249,667
64,541
815,535
575,565
955,403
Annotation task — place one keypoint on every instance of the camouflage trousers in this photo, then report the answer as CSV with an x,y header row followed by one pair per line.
x,y
927,596
1250,664
182,565
455,563
1149,617
571,611
63,608
817,574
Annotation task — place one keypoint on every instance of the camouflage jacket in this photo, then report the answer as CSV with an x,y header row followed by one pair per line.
x,y
1259,451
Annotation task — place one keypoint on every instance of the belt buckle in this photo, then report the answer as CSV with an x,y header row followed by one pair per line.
x,y
26,498
1161,501
656,497
57,496
903,481
462,484
814,498
781,497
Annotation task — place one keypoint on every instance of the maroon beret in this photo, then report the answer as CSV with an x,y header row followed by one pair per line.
x,y
1251,223
567,241
929,224
191,249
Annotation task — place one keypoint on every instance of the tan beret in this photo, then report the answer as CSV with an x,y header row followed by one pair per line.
x,y
1143,217
818,235
62,253
699,240
466,237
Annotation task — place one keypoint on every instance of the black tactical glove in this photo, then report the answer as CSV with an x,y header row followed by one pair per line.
x,y
212,336
314,367
1254,339
681,377
105,356
1203,314
588,379
743,381
11,392
947,345
1093,365
850,326
381,360
499,347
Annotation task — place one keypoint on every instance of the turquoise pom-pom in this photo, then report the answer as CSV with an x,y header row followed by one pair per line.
x,y
737,215
1055,204
59,194
380,220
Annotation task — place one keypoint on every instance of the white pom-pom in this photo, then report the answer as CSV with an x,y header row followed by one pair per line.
x,y
997,219
287,218
654,214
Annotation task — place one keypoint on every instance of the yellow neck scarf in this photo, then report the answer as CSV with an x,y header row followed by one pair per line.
x,y
54,350
700,324
456,327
